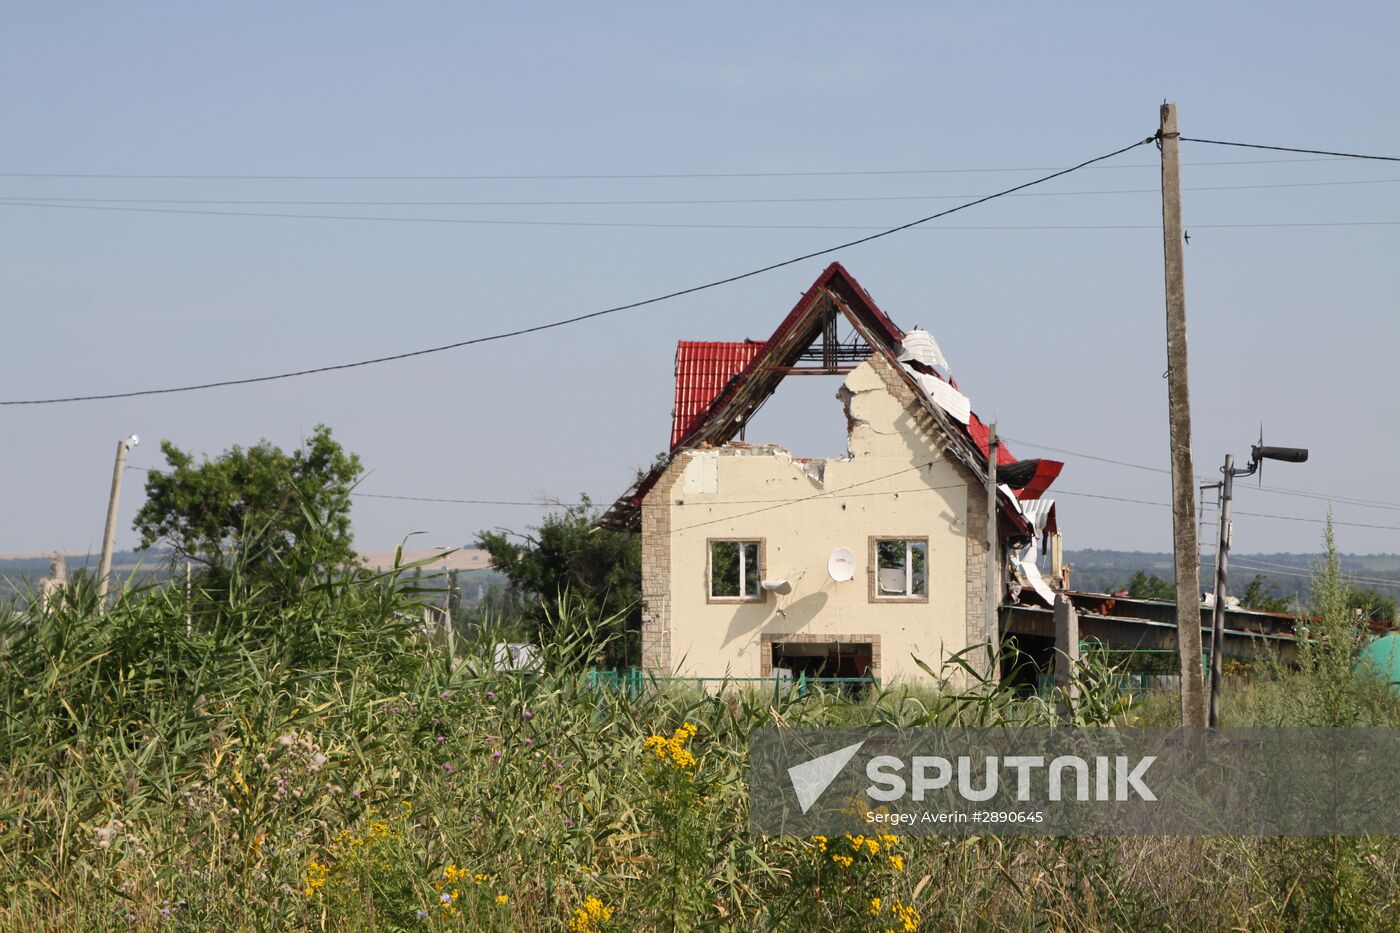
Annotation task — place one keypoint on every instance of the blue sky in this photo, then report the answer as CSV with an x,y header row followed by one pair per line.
x,y
1056,333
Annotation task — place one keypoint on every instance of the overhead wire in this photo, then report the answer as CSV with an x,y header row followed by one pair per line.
x,y
541,503
1287,518
666,202
660,225
824,494
580,317
1318,152
1278,490
1245,563
115,176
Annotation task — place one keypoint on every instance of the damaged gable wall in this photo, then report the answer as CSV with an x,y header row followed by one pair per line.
x,y
895,482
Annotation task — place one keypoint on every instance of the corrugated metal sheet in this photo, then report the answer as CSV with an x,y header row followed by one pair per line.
x,y
703,369
919,345
957,405
1045,473
981,436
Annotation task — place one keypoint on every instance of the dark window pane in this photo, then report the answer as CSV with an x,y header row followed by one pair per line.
x,y
919,550
889,567
752,576
724,568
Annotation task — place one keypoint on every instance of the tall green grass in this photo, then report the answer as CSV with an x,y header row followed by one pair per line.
x,y
287,750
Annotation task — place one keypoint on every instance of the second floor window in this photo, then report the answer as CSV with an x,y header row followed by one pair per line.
x,y
735,570
901,568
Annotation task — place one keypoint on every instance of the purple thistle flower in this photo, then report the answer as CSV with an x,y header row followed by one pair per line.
x,y
558,786
490,694
496,754
528,715
449,767
447,694
568,824
441,739
529,741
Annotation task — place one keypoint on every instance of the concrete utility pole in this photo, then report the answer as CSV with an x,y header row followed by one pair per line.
x,y
1066,657
1184,548
1222,570
993,589
1258,454
104,567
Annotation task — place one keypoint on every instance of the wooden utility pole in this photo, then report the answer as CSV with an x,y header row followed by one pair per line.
x,y
1188,570
993,562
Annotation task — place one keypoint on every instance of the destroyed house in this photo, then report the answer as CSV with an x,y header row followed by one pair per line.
x,y
757,563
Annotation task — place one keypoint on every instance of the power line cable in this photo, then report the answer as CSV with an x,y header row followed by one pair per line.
x,y
664,202
375,495
1319,152
652,225
1278,490
1245,564
582,317
1286,518
613,177
1291,567
825,494
537,504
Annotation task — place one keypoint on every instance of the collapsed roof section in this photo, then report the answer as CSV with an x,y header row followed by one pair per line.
x,y
719,386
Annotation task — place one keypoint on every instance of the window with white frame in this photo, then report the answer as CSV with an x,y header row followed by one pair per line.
x,y
900,567
735,569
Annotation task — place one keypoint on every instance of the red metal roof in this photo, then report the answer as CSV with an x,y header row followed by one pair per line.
x,y
981,436
1044,475
703,369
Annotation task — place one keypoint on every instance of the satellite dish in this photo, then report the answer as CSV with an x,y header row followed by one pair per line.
x,y
781,587
841,565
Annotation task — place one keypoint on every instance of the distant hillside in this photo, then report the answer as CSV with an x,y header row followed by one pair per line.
x,y
1104,571
19,573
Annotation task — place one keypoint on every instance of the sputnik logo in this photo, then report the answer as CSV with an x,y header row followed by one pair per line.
x,y
811,778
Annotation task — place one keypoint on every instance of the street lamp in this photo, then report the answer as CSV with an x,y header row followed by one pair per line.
x,y
1257,455
104,567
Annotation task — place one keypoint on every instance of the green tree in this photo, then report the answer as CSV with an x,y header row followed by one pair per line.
x,y
1150,586
1370,605
569,553
259,504
1262,595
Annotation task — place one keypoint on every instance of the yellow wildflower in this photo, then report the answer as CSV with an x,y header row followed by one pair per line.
x,y
502,899
673,750
897,861
316,875
907,918
590,916
843,860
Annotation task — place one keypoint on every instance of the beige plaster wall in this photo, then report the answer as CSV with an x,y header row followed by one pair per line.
x,y
894,483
